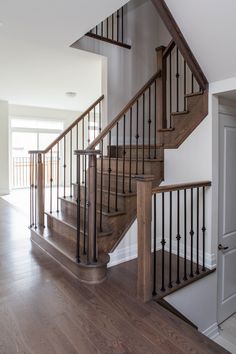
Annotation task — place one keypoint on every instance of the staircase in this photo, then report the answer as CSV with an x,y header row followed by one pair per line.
x,y
91,201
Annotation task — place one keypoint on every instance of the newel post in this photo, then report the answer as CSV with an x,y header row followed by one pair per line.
x,y
161,89
40,190
144,218
92,250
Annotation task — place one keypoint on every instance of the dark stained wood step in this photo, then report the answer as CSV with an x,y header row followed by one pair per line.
x,y
140,151
63,250
179,113
122,198
66,225
108,40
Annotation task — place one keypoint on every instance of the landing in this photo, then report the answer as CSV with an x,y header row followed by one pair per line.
x,y
43,309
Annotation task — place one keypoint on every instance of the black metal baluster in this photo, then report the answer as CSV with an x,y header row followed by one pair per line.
x,y
109,175
101,184
149,123
89,128
170,244
71,165
94,122
78,209
185,85
197,269
117,136
192,82
58,175
163,242
122,24
155,119
112,27
100,117
64,167
191,235
170,64
84,158
107,23
137,134
143,132
83,168
77,137
102,29
130,149
124,153
154,292
118,24
51,180
203,228
178,238
177,79
35,191
31,190
185,235
96,30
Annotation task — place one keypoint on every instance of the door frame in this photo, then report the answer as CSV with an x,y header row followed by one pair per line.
x,y
219,105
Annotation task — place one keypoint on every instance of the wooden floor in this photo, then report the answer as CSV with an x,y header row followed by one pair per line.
x,y
45,310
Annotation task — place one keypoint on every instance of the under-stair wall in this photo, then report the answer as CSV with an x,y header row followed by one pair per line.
x,y
130,69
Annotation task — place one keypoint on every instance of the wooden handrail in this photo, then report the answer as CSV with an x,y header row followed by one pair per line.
x,y
67,130
181,42
169,48
121,114
176,187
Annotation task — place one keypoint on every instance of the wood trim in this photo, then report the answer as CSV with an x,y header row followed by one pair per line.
x,y
108,40
144,219
67,130
121,114
176,187
181,42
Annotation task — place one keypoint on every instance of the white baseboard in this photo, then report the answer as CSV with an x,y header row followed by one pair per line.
x,y
212,331
123,255
4,192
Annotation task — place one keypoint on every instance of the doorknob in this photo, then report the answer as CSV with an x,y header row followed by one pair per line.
x,y
222,248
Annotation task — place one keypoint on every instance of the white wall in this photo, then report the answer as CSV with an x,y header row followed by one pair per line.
x,y
4,148
198,302
129,70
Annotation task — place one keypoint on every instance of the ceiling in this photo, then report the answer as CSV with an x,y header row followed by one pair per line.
x,y
209,28
37,64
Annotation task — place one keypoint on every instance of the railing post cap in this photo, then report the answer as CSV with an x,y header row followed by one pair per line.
x,y
162,47
145,178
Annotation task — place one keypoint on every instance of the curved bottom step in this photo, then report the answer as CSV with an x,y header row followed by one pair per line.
x,y
88,273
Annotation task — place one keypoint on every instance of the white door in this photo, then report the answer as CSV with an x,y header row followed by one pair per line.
x,y
227,218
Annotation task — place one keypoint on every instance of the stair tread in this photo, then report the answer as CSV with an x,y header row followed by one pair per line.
x,y
127,159
166,130
65,245
199,93
72,222
179,113
120,194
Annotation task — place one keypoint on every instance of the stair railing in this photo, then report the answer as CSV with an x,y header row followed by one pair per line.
x,y
112,29
62,176
176,83
171,249
115,157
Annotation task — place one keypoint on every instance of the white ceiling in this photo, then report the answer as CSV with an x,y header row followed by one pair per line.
x,y
209,27
37,64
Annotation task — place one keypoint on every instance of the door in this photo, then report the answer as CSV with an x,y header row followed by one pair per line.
x,y
227,217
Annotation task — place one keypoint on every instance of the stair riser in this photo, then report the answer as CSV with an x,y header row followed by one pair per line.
x,y
135,152
121,200
150,167
61,228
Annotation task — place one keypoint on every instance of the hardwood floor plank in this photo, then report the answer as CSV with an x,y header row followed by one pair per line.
x,y
45,310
